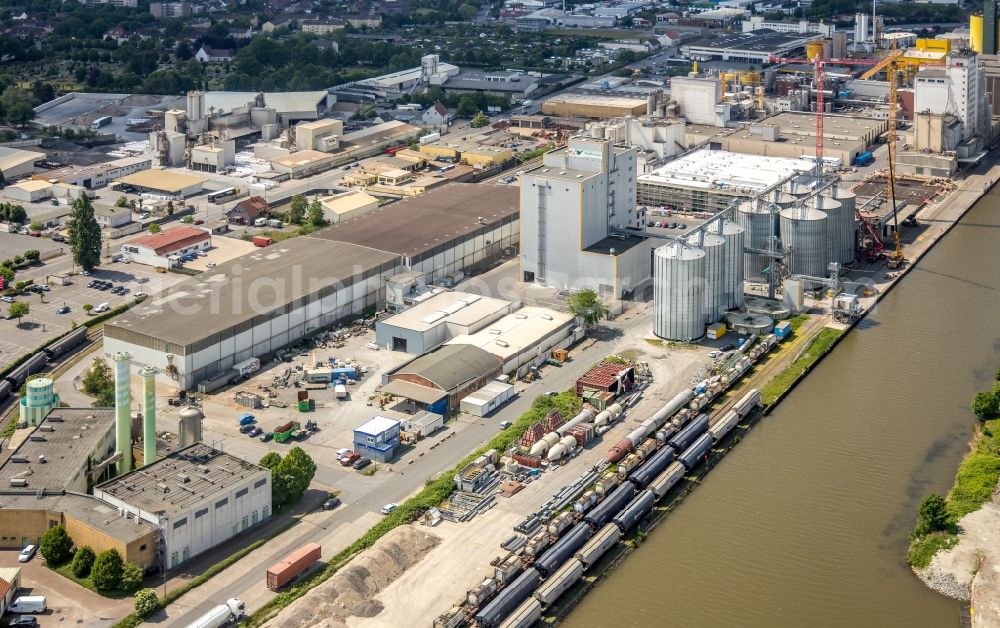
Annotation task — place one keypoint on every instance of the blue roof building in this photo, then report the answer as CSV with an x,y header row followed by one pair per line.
x,y
377,439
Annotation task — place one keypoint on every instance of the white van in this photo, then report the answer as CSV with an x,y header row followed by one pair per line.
x,y
101,307
28,604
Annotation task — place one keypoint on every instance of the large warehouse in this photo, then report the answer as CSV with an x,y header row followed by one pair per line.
x,y
251,306
431,323
442,232
593,106
198,496
754,47
163,183
441,379
793,134
16,163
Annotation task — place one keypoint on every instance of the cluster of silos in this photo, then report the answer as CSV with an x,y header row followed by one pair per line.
x,y
733,235
804,232
758,220
843,225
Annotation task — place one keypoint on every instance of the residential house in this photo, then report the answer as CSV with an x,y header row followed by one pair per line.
x,y
364,21
326,44
247,211
321,26
208,54
111,217
437,116
118,34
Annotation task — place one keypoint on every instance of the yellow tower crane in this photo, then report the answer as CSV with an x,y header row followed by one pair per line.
x,y
891,70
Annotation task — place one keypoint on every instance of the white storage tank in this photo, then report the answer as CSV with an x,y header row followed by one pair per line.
x,y
804,230
714,247
836,237
679,291
846,224
732,263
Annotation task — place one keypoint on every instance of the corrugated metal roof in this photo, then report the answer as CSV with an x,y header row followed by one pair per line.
x,y
451,366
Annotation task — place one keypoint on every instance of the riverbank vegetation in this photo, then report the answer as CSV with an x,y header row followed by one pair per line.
x,y
818,346
975,482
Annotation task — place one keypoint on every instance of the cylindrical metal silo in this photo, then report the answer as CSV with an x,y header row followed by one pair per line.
x,y
715,272
756,221
148,374
847,224
123,410
732,263
834,211
804,230
679,291
189,428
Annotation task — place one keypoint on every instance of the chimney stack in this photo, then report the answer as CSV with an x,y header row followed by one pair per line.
x,y
148,415
123,407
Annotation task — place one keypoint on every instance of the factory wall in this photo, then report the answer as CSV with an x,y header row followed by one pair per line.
x,y
844,149
22,526
697,97
417,342
141,551
468,251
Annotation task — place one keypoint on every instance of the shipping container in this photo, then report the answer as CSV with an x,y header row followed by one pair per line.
x,y
286,570
262,241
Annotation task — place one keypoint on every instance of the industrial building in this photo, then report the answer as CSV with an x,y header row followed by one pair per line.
x,y
251,306
697,98
321,135
198,497
162,249
213,157
469,153
525,338
488,398
303,163
10,582
437,319
757,46
792,134
709,180
441,233
377,439
578,214
439,380
110,216
16,163
432,71
593,106
98,175
958,89
28,191
162,183
347,206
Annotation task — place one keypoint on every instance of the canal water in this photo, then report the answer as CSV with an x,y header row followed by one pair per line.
x,y
805,522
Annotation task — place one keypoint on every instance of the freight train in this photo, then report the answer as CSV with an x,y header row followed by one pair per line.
x,y
552,567
35,364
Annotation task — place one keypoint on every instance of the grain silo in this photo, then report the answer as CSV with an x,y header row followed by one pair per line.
x,y
732,264
803,229
758,224
835,236
679,291
715,250
847,224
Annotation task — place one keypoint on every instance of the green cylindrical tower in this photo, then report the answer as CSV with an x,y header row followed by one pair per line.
x,y
123,410
148,414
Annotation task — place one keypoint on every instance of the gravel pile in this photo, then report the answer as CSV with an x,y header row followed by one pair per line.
x,y
945,583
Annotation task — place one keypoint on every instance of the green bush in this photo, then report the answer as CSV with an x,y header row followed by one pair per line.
x,y
974,484
986,405
56,545
922,550
107,571
131,577
83,561
145,602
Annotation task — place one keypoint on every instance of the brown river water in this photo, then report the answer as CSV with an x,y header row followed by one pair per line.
x,y
804,523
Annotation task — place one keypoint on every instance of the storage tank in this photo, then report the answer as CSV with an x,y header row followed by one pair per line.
x,y
732,262
715,251
845,224
836,236
756,221
189,426
148,375
679,292
976,32
804,230
814,48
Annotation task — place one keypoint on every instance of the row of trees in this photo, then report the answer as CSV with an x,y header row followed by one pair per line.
x,y
302,212
108,570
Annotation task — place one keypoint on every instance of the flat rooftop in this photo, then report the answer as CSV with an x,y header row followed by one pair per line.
x,y
302,158
86,508
458,308
518,332
597,99
227,295
761,40
835,127
719,169
377,425
415,225
164,180
173,484
66,437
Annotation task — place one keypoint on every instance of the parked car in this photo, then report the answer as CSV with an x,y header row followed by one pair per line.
x,y
343,452
331,503
728,347
24,621
361,463
349,459
266,436
245,429
63,310
26,554
8,299
389,508
505,424
254,432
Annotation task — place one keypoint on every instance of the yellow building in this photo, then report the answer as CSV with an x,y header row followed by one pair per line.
x,y
396,176
469,153
440,150
348,205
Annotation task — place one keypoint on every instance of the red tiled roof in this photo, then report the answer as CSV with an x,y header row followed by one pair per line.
x,y
4,588
172,239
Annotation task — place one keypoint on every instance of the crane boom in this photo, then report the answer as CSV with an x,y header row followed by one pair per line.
x,y
820,82
884,63
897,254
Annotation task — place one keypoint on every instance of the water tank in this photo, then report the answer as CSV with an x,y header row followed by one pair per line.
x,y
189,426
804,230
679,291
714,247
846,224
732,262
756,221
835,240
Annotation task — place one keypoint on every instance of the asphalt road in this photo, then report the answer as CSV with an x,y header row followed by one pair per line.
x,y
373,492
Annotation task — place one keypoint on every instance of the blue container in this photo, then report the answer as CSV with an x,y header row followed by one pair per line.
x,y
246,419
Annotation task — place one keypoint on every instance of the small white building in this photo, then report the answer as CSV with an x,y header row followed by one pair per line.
x,y
162,249
213,157
30,191
111,217
198,496
488,398
437,319
16,163
348,205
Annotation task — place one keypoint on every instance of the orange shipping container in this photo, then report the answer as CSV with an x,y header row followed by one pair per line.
x,y
291,566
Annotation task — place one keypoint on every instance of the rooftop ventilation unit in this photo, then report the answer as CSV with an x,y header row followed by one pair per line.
x,y
46,428
502,343
183,478
18,483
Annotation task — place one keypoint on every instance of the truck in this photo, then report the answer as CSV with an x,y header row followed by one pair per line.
x,y
262,241
231,612
864,159
283,433
98,123
340,391
290,567
247,367
275,223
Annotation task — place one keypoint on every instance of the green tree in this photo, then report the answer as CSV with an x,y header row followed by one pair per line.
x,y
36,226
317,217
480,120
8,276
467,107
106,573
87,307
131,577
17,213
145,603
99,382
84,234
83,561
170,208
187,220
986,405
297,210
56,545
296,471
16,105
279,484
121,202
155,228
933,515
587,307
32,255
271,460
17,310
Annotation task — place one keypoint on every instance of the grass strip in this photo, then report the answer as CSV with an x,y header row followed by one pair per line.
x,y
818,346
